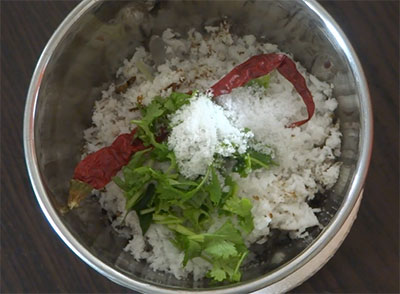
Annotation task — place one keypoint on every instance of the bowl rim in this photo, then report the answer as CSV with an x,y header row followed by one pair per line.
x,y
365,147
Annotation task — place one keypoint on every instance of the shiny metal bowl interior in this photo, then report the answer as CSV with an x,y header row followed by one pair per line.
x,y
81,59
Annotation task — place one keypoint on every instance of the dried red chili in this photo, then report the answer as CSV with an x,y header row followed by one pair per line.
x,y
97,169
261,65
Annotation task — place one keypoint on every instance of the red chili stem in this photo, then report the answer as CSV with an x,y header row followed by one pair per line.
x,y
261,65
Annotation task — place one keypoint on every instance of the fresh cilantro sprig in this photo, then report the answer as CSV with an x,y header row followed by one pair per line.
x,y
224,249
159,194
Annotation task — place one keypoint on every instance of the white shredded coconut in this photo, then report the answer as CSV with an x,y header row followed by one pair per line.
x,y
307,155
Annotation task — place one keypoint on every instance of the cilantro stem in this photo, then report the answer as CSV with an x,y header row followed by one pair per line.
x,y
168,222
234,189
240,262
172,166
166,219
181,229
198,238
132,201
204,179
259,162
148,210
189,194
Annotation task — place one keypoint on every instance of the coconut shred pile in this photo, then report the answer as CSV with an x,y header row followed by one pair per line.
x,y
253,117
201,130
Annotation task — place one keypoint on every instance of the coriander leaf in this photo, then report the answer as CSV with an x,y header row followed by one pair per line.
x,y
138,159
189,247
227,268
133,198
260,160
165,181
243,165
214,187
133,181
194,215
246,130
173,167
247,223
168,192
239,206
175,101
149,114
220,249
145,222
242,208
198,200
146,199
217,273
161,152
262,81
120,183
155,118
152,111
233,187
193,250
144,133
145,219
156,113
226,232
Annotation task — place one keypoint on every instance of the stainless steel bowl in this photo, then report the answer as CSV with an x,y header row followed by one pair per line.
x,y
80,60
